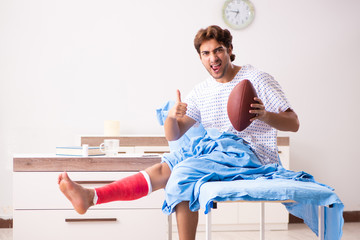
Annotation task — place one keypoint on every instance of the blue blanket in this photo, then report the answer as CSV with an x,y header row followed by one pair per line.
x,y
214,157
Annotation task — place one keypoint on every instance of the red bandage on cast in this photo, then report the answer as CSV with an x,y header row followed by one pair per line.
x,y
128,188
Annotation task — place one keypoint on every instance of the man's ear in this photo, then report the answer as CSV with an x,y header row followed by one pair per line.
x,y
229,50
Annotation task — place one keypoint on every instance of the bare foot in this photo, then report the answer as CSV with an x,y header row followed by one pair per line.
x,y
81,198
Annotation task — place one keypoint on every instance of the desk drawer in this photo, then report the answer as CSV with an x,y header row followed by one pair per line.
x,y
94,225
39,190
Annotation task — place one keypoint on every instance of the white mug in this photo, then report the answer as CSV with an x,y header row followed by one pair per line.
x,y
110,147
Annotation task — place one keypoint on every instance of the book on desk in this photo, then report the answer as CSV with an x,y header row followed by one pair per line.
x,y
77,151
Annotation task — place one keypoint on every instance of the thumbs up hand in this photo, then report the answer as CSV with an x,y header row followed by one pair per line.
x,y
179,109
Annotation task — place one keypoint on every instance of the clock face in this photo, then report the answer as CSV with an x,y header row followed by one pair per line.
x,y
238,14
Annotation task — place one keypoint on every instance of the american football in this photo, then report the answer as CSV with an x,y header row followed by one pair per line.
x,y
238,106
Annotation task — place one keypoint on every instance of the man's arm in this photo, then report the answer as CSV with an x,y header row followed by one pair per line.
x,y
283,121
177,123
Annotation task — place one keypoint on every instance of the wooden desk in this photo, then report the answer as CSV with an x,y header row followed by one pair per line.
x,y
42,212
128,163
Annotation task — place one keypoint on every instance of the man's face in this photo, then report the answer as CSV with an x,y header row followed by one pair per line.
x,y
215,58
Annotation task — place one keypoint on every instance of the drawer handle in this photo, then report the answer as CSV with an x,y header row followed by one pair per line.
x,y
90,219
279,151
156,152
94,182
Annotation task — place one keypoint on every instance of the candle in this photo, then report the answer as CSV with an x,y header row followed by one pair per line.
x,y
111,128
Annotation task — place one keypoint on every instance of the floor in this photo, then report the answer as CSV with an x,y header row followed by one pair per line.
x,y
351,231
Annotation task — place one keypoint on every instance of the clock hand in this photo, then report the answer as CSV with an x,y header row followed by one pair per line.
x,y
237,12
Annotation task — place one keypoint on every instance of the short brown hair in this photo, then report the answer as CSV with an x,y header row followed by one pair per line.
x,y
223,36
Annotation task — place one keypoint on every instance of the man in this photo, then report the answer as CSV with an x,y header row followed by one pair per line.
x,y
206,104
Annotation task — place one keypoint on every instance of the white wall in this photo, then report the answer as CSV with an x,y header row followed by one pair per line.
x,y
66,66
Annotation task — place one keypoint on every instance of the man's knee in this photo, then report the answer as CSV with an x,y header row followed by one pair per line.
x,y
159,175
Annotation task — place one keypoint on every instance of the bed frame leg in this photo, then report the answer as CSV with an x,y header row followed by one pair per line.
x,y
262,221
321,227
170,227
208,225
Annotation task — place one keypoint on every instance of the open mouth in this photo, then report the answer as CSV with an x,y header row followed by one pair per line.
x,y
216,67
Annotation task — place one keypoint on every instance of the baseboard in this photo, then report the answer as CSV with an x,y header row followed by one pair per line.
x,y
353,216
349,216
6,223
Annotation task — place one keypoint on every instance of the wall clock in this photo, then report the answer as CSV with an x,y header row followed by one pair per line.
x,y
238,14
